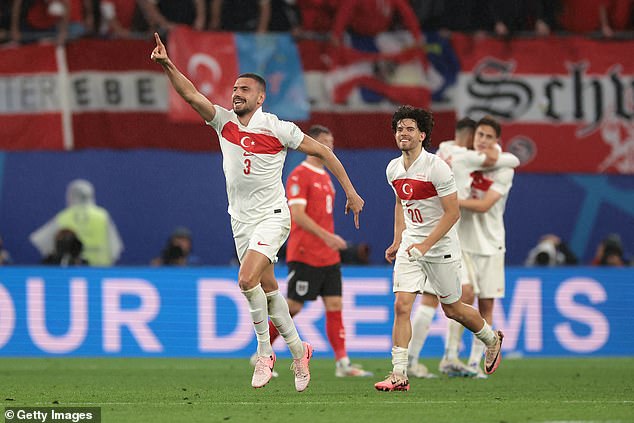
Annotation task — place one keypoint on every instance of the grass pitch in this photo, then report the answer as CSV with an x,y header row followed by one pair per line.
x,y
218,390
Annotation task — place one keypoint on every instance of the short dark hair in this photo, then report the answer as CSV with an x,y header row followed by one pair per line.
x,y
466,123
424,120
316,130
490,121
255,77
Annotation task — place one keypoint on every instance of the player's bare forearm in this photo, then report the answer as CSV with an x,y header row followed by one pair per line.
x,y
355,202
307,223
481,205
181,84
451,214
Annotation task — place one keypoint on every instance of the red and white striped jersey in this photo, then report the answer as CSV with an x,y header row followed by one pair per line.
x,y
252,159
419,189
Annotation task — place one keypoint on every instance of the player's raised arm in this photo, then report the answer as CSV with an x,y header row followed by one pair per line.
x,y
354,202
181,84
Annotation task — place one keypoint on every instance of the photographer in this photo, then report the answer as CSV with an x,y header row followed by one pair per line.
x,y
67,252
610,252
550,251
177,251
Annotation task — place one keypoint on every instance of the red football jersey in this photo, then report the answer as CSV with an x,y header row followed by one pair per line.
x,y
313,187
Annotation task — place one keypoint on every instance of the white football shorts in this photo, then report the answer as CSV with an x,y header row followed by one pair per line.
x,y
444,278
489,275
266,236
467,276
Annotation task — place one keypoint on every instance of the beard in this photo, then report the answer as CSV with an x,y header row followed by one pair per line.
x,y
243,110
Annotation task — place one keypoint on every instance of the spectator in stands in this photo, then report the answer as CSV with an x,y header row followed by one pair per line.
x,y
610,252
68,249
602,16
117,17
550,251
5,257
240,15
5,20
511,16
177,251
316,15
164,15
452,15
92,224
284,17
69,18
372,17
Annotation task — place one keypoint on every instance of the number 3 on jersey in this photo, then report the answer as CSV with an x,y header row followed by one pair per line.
x,y
247,166
415,215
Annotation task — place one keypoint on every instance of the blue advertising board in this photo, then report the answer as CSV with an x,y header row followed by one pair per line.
x,y
200,312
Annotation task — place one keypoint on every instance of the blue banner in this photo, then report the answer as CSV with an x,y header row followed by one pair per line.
x,y
275,57
201,312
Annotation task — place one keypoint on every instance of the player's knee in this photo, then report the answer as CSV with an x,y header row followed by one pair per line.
x,y
246,281
402,308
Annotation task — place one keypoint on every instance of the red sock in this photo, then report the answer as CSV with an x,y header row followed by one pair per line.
x,y
273,333
336,333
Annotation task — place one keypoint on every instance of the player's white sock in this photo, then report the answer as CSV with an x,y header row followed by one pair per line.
x,y
486,334
260,318
454,336
281,318
477,351
399,360
344,361
420,329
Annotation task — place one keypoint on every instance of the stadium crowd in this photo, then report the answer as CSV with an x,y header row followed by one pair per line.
x,y
23,21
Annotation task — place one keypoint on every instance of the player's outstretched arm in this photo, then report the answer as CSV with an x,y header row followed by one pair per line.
x,y
181,84
354,202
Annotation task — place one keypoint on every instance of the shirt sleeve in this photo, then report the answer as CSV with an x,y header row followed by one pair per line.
x,y
221,117
390,178
289,134
470,159
503,181
297,187
443,179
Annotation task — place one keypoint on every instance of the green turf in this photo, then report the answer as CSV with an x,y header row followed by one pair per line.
x,y
214,390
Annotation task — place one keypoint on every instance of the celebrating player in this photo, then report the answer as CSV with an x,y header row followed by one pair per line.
x,y
254,146
313,248
425,242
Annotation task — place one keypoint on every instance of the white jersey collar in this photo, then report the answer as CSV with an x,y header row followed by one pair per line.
x,y
313,168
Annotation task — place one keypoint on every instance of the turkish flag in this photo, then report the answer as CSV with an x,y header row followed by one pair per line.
x,y
210,61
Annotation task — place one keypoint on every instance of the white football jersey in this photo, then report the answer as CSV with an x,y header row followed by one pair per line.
x,y
419,189
462,161
252,159
483,233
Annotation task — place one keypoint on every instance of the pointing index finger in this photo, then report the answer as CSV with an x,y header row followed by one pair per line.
x,y
158,40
